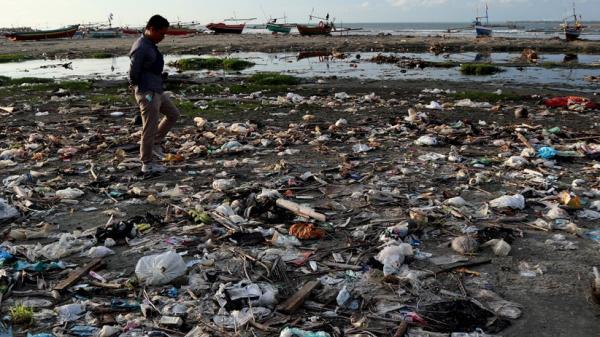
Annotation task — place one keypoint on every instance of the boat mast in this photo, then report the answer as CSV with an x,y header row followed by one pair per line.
x,y
487,18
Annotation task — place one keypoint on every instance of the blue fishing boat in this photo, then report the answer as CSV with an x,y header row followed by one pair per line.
x,y
483,29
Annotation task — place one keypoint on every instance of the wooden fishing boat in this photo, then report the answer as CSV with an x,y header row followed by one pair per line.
x,y
279,28
321,29
481,29
226,28
324,27
131,31
223,28
180,31
105,34
68,31
573,29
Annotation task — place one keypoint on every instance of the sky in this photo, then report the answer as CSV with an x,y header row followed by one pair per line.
x,y
55,13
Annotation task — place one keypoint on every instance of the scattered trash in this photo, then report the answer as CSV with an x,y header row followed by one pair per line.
x,y
336,209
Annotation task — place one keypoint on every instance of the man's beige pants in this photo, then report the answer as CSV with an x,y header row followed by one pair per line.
x,y
154,132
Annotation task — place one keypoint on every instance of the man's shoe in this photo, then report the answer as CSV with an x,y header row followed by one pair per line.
x,y
153,168
157,152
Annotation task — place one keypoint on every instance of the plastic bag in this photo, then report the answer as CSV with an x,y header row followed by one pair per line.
x,y
7,211
516,162
342,96
393,257
70,312
224,185
99,251
426,141
70,193
467,103
455,202
433,106
360,148
160,269
67,245
546,152
516,201
294,332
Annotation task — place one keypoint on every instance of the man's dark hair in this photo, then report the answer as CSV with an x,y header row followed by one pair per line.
x,y
157,22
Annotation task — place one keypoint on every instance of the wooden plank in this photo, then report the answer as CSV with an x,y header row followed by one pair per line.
x,y
293,303
468,264
342,266
525,141
402,329
78,273
301,210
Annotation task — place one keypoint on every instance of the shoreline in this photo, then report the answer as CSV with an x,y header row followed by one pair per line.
x,y
202,44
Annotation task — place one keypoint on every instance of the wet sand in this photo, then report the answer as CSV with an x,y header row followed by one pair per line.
x,y
266,43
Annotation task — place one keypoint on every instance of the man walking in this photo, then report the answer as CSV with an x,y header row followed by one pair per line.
x,y
146,77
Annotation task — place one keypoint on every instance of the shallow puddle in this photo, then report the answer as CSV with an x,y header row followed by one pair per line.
x,y
355,65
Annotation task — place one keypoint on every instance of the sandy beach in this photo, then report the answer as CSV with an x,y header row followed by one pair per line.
x,y
392,161
265,43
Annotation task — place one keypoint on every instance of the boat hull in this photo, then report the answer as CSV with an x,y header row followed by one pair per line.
x,y
131,31
221,28
276,28
314,30
108,34
176,31
68,32
572,34
483,31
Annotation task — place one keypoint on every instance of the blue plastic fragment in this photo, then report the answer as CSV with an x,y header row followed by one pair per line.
x,y
547,152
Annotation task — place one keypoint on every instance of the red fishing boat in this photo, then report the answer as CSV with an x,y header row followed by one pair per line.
x,y
36,35
180,31
225,28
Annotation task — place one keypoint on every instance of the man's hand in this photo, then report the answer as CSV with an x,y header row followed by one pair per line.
x,y
165,76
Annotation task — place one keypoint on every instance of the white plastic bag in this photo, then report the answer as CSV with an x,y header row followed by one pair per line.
x,y
393,257
426,141
516,201
160,269
99,251
361,148
68,244
70,193
433,106
224,185
516,162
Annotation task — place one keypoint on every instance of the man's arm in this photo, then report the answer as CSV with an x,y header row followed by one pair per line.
x,y
135,67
